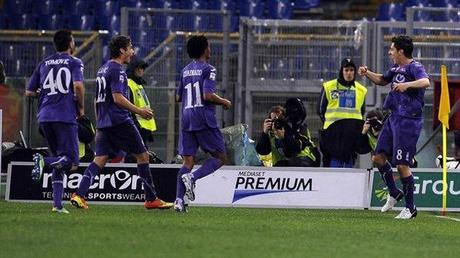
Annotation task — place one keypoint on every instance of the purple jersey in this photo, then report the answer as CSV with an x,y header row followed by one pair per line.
x,y
54,76
111,79
409,103
197,78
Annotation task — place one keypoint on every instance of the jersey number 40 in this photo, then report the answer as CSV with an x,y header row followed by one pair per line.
x,y
57,85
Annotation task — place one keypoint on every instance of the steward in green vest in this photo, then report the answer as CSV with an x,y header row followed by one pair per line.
x,y
341,108
135,71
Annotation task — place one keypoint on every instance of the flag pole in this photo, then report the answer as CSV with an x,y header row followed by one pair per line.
x,y
443,115
444,171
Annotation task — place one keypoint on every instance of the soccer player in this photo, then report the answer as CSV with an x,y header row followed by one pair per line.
x,y
58,82
196,91
398,138
115,128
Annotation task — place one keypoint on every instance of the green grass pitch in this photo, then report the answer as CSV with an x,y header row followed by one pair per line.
x,y
31,230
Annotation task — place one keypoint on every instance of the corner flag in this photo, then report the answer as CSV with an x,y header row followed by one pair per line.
x,y
444,102
443,116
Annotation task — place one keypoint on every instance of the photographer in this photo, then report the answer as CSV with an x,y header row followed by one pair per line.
x,y
287,138
371,130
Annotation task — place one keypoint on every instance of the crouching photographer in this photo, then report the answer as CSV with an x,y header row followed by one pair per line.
x,y
371,130
286,137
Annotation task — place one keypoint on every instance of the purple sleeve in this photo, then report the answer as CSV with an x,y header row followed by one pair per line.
x,y
118,79
388,76
77,71
34,81
209,81
419,71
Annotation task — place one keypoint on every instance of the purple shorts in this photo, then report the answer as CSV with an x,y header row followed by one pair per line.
x,y
398,139
124,136
62,139
210,140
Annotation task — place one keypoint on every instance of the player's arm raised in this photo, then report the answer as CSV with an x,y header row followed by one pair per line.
x,y
376,78
123,102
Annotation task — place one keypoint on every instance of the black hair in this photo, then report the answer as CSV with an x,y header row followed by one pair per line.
x,y
62,39
116,43
405,43
196,46
346,62
295,111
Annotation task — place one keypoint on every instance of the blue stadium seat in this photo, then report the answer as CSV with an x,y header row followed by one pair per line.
x,y
201,22
383,13
235,23
393,11
82,22
26,22
115,25
143,22
419,3
105,53
4,23
252,8
189,4
128,3
422,16
444,3
222,5
15,6
46,50
60,22
44,22
279,9
396,11
166,4
77,7
107,8
87,22
46,7
199,4
145,4
305,4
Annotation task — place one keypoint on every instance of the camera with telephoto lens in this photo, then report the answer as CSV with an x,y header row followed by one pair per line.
x,y
375,124
279,123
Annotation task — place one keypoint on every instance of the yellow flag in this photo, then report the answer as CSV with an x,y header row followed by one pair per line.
x,y
444,102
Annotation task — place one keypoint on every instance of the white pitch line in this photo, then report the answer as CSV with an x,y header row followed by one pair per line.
x,y
445,217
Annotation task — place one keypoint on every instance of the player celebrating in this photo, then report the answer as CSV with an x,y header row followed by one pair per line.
x,y
58,81
115,128
398,138
196,91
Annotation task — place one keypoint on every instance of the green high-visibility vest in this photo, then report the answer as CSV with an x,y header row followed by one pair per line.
x,y
277,156
140,100
343,102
